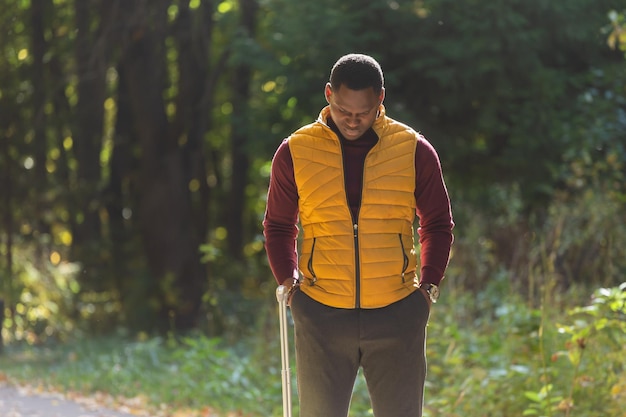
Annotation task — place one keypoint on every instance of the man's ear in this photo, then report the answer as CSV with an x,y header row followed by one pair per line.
x,y
328,91
381,98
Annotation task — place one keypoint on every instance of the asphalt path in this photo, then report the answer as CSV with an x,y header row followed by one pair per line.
x,y
21,402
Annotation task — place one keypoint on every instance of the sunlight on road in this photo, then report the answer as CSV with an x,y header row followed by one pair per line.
x,y
26,402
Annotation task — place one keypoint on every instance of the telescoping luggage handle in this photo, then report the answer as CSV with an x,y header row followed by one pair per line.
x,y
282,295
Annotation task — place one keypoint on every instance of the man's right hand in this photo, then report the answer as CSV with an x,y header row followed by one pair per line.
x,y
291,284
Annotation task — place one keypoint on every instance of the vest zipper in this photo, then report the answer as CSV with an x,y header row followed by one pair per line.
x,y
357,268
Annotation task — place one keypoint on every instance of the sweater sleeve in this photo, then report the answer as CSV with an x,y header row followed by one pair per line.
x,y
281,217
434,212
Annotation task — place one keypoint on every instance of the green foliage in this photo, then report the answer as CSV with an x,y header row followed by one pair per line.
x,y
617,31
510,360
49,303
190,373
44,300
492,81
517,360
578,238
595,382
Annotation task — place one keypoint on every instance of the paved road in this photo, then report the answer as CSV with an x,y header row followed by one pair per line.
x,y
17,402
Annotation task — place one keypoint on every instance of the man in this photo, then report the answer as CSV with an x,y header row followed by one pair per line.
x,y
354,180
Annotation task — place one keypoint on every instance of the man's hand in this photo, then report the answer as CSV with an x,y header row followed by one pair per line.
x,y
291,285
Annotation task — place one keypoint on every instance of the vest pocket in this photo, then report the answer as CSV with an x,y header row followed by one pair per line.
x,y
309,265
405,258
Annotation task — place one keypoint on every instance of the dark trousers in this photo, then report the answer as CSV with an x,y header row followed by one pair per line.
x,y
388,343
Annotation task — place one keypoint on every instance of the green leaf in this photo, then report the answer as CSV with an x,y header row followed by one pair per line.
x,y
574,356
532,396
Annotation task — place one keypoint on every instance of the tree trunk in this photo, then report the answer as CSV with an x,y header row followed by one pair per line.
x,y
40,146
193,39
134,290
88,131
6,289
164,207
240,137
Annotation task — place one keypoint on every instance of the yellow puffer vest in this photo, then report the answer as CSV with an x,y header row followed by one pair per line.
x,y
372,263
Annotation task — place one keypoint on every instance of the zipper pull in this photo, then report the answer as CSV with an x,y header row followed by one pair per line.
x,y
356,229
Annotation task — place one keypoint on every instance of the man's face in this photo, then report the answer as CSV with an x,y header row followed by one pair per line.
x,y
353,111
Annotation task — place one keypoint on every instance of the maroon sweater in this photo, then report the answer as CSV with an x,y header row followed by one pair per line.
x,y
433,206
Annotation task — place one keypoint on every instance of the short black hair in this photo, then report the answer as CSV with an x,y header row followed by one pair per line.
x,y
357,72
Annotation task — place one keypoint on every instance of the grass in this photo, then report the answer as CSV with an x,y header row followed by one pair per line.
x,y
491,357
163,375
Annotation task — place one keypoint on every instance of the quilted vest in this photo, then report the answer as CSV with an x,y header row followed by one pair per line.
x,y
369,262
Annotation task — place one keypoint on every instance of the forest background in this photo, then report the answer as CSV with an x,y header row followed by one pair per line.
x,y
135,146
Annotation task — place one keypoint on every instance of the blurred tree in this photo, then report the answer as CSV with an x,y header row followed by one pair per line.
x,y
38,49
91,49
166,179
498,83
241,132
